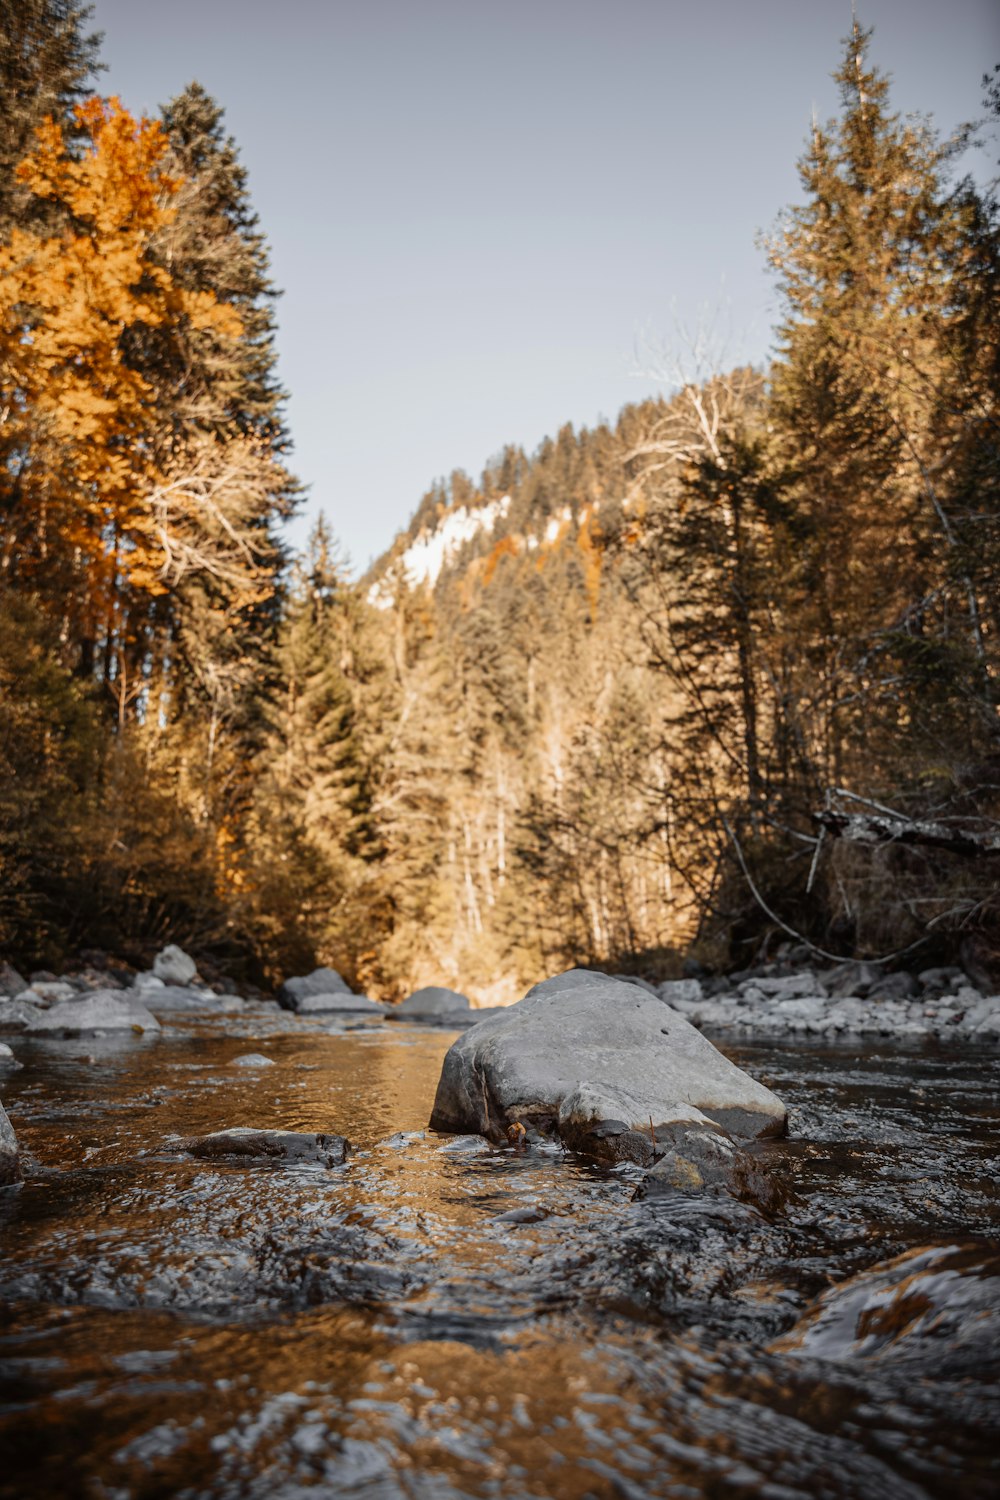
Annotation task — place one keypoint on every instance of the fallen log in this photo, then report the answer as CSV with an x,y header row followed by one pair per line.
x,y
884,828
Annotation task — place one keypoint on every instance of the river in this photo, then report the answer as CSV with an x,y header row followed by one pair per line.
x,y
438,1318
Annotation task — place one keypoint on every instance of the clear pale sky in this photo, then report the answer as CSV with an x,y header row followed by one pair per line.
x,y
476,209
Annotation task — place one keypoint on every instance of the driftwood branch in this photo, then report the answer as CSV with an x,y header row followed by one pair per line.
x,y
893,828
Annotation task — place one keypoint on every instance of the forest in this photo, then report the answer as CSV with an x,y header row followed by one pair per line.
x,y
718,676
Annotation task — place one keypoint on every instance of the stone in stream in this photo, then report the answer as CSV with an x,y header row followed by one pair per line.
x,y
243,1143
19,1014
342,1002
101,1010
175,997
321,982
611,1071
11,983
680,992
432,1001
10,1160
936,1302
705,1159
7,1058
173,965
253,1060
49,992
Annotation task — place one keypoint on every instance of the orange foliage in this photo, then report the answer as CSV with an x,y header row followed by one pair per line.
x,y
507,546
590,541
84,420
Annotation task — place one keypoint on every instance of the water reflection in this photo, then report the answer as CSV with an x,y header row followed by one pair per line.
x,y
441,1318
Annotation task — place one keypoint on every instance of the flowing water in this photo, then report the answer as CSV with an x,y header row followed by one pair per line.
x,y
438,1318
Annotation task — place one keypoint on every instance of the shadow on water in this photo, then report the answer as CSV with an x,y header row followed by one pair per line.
x,y
438,1318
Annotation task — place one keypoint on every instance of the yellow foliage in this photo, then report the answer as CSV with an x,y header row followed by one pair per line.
x,y
71,305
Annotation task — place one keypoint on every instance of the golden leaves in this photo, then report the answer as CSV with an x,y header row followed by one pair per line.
x,y
74,306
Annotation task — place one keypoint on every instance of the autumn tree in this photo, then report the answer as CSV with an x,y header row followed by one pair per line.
x,y
81,520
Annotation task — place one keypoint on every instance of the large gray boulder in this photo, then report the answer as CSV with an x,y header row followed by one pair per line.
x,y
605,1067
319,982
173,965
433,1000
10,1159
102,1010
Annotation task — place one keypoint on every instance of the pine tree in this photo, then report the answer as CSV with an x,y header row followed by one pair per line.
x,y
47,63
313,832
869,268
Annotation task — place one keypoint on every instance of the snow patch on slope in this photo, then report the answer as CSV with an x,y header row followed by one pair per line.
x,y
428,553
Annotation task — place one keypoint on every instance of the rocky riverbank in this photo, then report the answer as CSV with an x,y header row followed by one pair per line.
x,y
846,1000
787,997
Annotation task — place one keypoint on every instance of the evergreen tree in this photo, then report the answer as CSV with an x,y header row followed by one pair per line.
x,y
47,63
870,267
312,830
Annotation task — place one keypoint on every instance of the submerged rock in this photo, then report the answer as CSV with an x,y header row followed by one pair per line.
x,y
705,1159
245,1144
591,1059
101,1010
173,965
319,982
10,1157
940,1298
433,1000
253,1060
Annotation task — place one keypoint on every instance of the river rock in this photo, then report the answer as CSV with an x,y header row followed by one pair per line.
x,y
901,986
342,1002
18,1015
680,992
704,1159
45,992
433,1000
7,1058
11,983
584,1053
940,1298
101,1010
851,978
147,980
782,987
170,998
319,982
253,1060
243,1143
173,965
10,1157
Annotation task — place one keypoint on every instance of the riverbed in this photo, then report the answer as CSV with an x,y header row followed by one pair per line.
x,y
441,1318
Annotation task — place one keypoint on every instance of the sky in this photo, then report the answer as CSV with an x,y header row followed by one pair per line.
x,y
489,219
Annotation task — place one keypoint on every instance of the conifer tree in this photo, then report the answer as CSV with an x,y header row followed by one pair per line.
x,y
313,832
869,267
47,63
